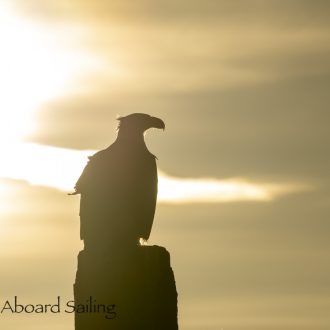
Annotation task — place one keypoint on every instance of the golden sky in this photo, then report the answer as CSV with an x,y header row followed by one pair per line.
x,y
243,89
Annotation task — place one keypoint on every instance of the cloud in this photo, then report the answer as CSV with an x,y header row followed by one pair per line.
x,y
60,168
167,11
151,47
209,190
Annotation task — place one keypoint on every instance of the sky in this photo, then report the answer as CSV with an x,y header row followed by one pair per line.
x,y
243,89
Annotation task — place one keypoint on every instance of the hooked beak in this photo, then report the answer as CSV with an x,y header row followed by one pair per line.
x,y
157,123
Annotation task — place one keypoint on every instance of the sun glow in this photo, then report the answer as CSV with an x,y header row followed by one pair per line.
x,y
35,67
60,168
39,62
187,190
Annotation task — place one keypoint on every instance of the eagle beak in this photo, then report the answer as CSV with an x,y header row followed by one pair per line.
x,y
157,123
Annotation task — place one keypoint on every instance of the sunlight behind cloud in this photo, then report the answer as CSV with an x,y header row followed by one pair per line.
x,y
43,165
60,168
35,67
180,190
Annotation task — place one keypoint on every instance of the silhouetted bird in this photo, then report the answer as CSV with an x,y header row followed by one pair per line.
x,y
118,187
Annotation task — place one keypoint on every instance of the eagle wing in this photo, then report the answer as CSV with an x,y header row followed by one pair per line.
x,y
148,197
118,194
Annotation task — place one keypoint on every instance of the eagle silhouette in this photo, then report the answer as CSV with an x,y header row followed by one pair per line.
x,y
118,187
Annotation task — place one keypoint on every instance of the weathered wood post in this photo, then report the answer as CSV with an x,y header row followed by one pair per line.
x,y
125,289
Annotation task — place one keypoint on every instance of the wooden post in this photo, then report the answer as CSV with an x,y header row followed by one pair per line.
x,y
125,289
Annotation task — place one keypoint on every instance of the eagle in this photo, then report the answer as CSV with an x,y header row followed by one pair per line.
x,y
118,187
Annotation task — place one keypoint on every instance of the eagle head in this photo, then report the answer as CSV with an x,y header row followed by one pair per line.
x,y
139,122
